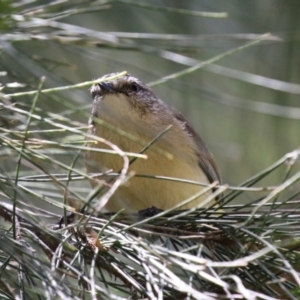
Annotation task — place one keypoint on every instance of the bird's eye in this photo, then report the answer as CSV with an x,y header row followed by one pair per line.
x,y
135,87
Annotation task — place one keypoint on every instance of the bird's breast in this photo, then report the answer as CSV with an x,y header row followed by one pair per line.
x,y
144,190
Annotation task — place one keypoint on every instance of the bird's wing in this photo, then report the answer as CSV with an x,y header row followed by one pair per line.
x,y
205,159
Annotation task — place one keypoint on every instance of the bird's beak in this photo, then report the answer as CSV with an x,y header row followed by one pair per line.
x,y
106,87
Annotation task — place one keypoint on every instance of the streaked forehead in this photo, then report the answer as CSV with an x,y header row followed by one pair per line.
x,y
126,78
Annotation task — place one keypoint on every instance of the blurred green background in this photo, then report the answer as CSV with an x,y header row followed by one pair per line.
x,y
245,106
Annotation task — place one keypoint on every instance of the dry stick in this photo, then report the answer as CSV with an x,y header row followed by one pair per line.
x,y
67,87
21,156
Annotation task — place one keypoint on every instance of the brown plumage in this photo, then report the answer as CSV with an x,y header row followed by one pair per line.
x,y
129,104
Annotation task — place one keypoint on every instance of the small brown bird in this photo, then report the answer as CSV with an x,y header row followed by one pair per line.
x,y
129,104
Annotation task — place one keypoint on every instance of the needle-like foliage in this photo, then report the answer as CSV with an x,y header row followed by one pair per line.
x,y
246,246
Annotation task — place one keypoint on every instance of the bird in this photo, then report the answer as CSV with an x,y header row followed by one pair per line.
x,y
129,104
